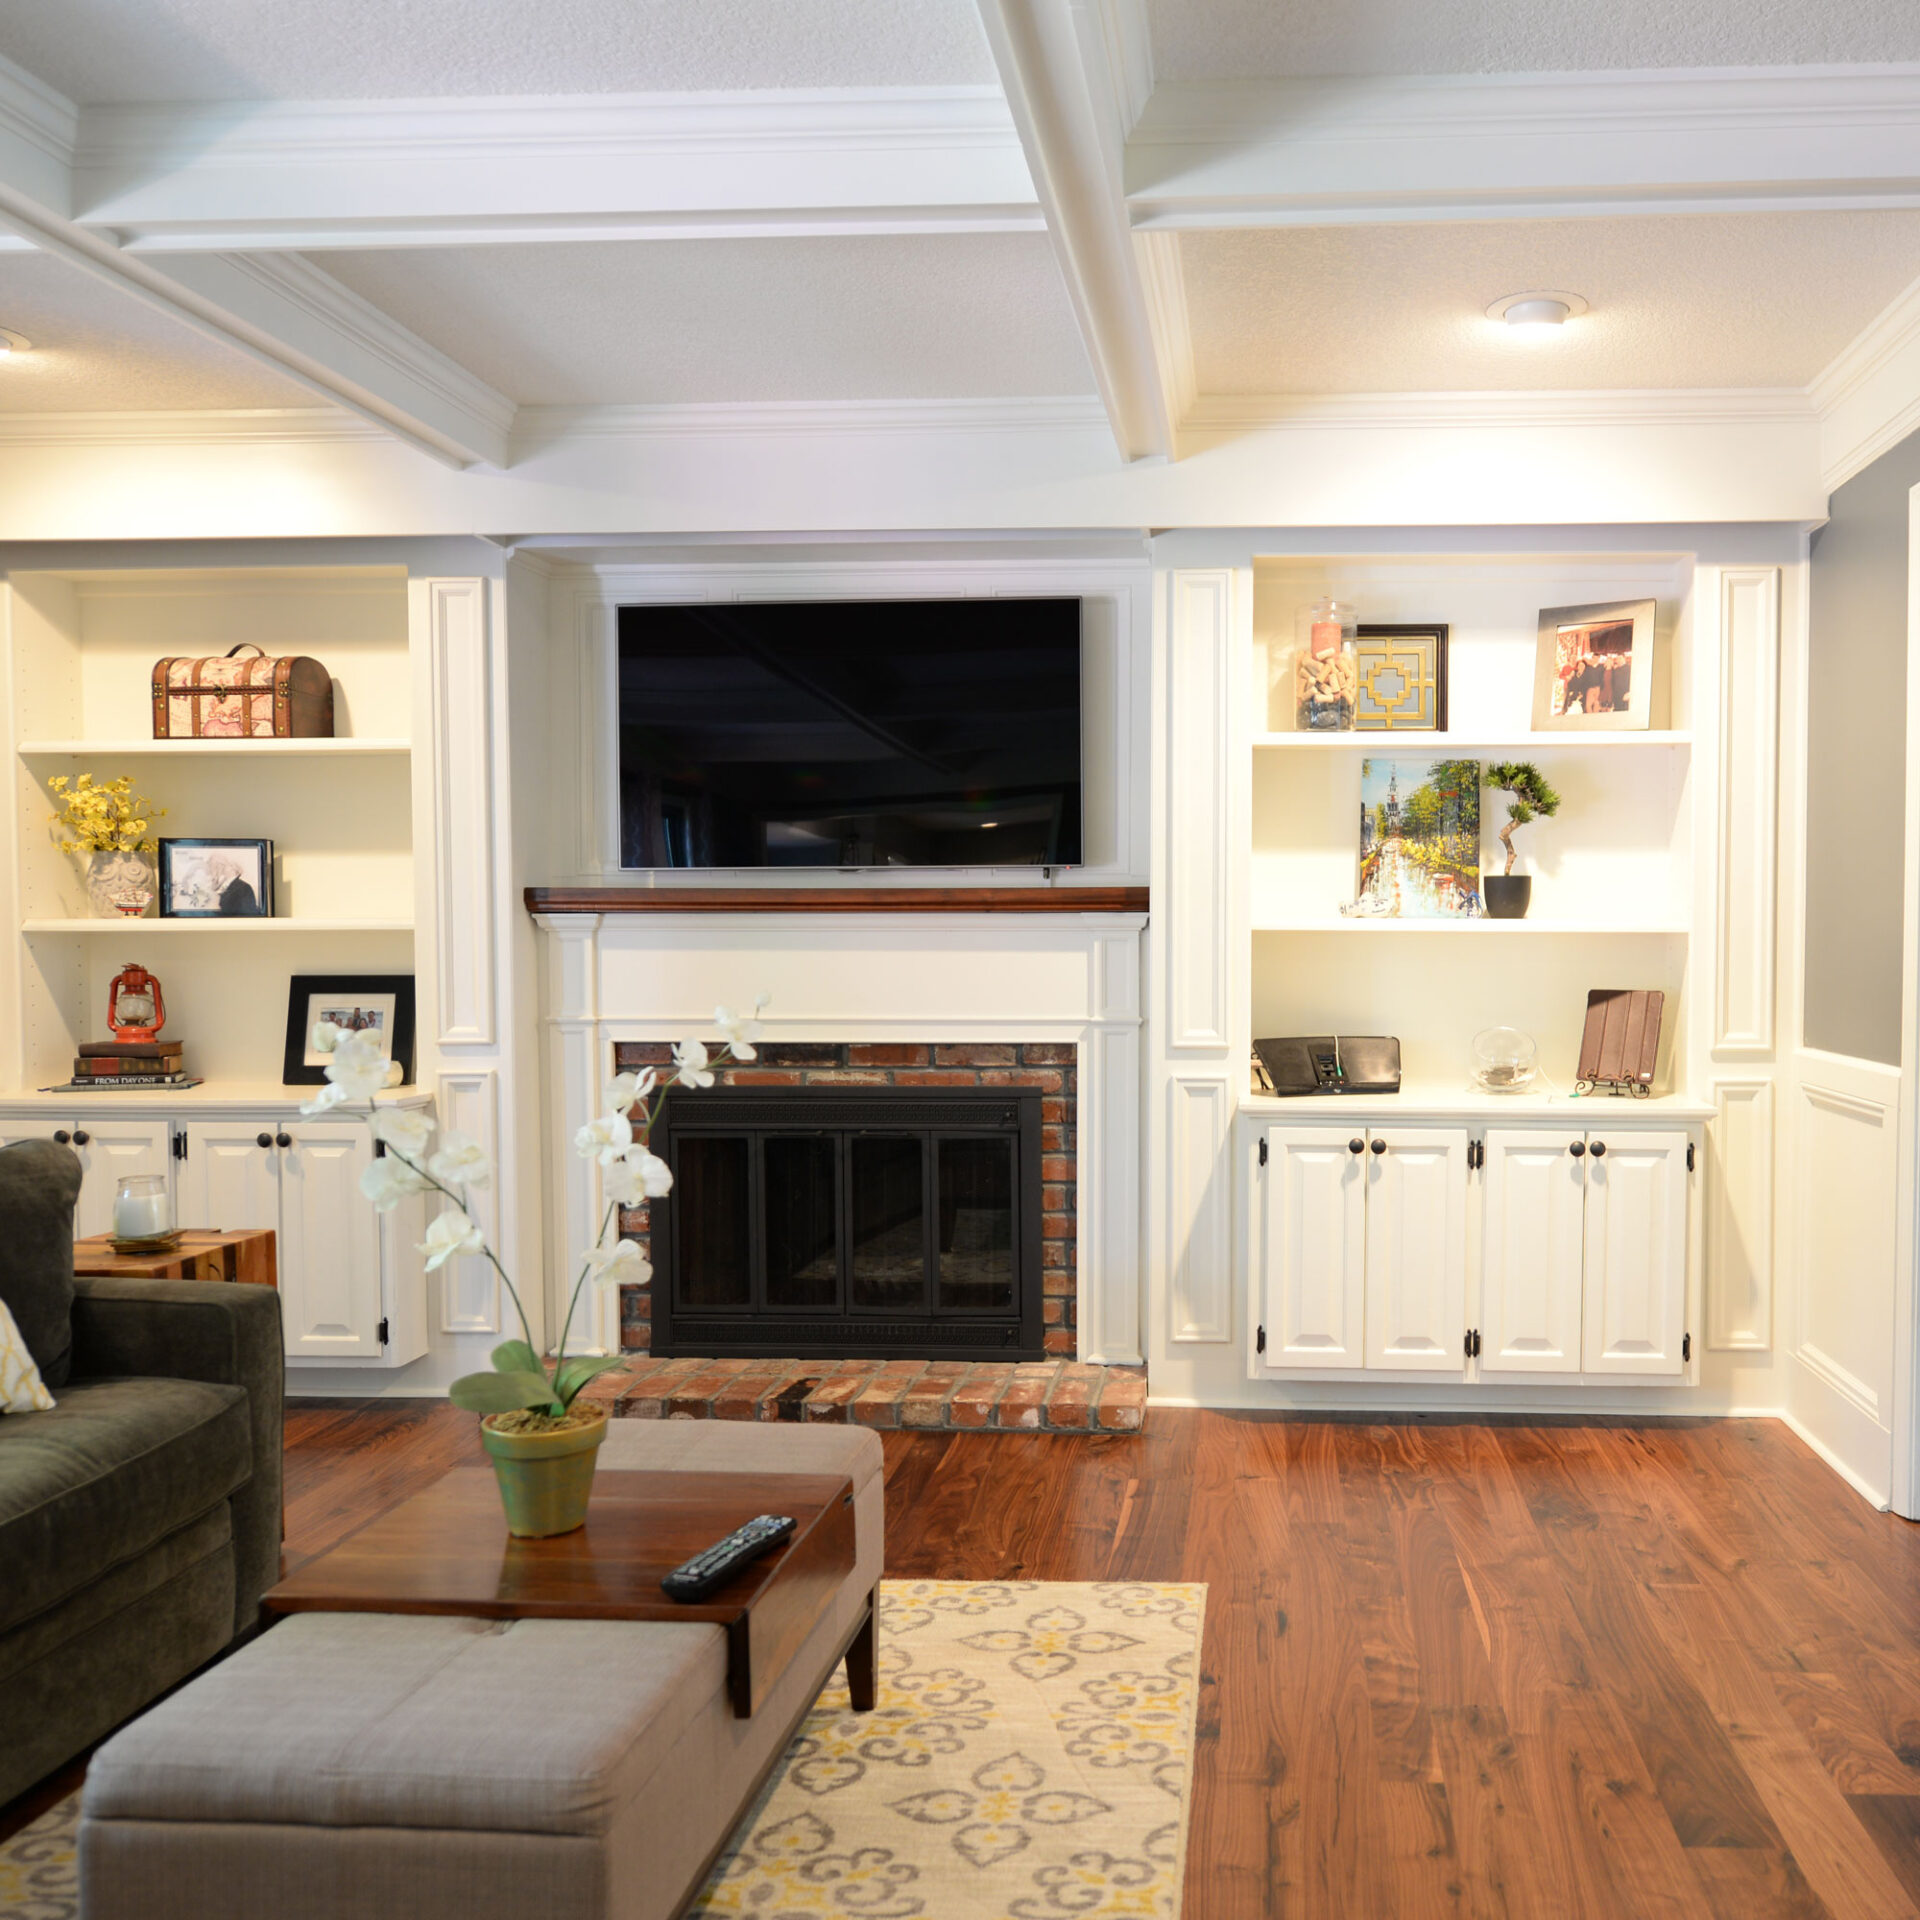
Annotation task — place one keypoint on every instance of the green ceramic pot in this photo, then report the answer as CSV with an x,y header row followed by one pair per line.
x,y
545,1479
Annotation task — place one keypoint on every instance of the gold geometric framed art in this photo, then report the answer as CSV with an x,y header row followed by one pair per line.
x,y
1403,679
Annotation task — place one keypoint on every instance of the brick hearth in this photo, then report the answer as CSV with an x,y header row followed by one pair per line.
x,y
1059,1396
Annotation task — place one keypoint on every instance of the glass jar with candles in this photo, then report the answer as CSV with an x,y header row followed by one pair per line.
x,y
143,1209
1325,678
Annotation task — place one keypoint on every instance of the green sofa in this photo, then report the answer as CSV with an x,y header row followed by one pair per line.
x,y
140,1517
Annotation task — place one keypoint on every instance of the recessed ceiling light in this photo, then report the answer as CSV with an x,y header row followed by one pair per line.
x,y
11,342
1536,313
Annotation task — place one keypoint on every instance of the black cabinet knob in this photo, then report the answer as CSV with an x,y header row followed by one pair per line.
x,y
1356,1146
81,1136
1599,1149
63,1138
283,1139
263,1139
1379,1146
1578,1148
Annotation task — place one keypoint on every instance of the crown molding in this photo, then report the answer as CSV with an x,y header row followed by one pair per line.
x,y
186,427
1868,395
1224,415
537,428
38,132
1164,282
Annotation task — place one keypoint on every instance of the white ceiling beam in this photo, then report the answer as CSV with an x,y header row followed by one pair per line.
x,y
1525,146
314,174
1071,70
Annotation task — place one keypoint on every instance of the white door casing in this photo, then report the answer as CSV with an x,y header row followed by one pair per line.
x,y
329,1243
1416,1241
1533,1244
1636,1253
1316,1247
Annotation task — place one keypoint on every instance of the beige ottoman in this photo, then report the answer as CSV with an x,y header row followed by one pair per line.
x,y
345,1765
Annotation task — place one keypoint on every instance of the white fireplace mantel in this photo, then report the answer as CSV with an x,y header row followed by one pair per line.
x,y
1066,977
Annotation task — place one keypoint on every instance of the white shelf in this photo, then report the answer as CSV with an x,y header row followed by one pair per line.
x,y
1388,923
170,749
1417,1101
1442,745
120,929
234,1095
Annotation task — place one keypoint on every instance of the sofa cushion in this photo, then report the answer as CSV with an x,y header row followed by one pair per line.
x,y
39,1182
114,1468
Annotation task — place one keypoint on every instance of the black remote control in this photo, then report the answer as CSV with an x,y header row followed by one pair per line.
x,y
714,1566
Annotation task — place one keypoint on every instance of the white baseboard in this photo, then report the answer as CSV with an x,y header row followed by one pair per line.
x,y
1869,1493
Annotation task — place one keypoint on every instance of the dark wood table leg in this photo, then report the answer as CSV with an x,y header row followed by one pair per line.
x,y
861,1654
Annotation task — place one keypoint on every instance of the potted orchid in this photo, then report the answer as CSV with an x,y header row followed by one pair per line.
x,y
543,1440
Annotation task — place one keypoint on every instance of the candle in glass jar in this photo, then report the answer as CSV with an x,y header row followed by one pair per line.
x,y
140,1209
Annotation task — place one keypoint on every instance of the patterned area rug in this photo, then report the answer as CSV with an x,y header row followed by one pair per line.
x,y
1030,1758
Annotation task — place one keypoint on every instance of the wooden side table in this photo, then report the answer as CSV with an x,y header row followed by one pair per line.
x,y
247,1257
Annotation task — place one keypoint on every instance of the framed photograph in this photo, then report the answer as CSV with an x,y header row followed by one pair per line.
x,y
1419,837
1402,679
1594,668
216,879
377,1003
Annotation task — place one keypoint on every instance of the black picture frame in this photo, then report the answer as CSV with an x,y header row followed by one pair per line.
x,y
385,991
252,861
1439,632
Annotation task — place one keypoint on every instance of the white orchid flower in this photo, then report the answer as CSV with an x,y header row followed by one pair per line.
x,y
405,1129
358,1067
325,1037
620,1265
389,1180
450,1234
460,1162
637,1175
605,1139
324,1101
629,1089
741,1030
690,1063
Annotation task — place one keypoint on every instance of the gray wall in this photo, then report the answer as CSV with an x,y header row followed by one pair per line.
x,y
1856,762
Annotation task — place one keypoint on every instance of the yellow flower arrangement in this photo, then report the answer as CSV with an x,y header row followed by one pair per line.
x,y
107,818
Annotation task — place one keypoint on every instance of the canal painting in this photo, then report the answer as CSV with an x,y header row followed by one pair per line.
x,y
1419,837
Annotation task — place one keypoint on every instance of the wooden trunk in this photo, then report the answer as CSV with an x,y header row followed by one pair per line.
x,y
226,696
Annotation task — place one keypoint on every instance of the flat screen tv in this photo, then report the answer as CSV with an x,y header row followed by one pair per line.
x,y
895,733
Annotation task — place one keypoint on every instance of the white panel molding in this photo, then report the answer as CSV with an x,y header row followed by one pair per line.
x,y
1199,1250
469,1103
1163,281
1868,395
1197,748
1056,63
1747,817
1328,151
1848,1386
465,838
1739,1204
1107,1251
465,172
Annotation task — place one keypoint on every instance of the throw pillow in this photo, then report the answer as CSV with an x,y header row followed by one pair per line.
x,y
21,1389
39,1182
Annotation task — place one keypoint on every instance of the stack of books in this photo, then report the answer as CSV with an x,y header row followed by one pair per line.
x,y
131,1063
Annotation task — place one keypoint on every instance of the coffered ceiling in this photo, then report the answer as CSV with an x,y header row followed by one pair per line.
x,y
438,215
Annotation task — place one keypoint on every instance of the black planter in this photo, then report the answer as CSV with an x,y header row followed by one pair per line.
x,y
1507,894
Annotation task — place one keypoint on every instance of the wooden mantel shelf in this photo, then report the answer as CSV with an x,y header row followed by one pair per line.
x,y
836,899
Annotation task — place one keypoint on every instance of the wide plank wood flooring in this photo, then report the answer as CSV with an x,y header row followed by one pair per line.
x,y
1524,1668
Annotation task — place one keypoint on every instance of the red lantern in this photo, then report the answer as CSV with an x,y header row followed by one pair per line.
x,y
144,1012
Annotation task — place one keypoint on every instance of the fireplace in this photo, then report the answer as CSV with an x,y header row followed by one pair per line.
x,y
849,1222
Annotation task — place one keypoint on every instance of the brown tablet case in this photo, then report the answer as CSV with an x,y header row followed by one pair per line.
x,y
1622,1038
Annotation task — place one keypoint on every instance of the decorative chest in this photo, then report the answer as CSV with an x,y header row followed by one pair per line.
x,y
229,696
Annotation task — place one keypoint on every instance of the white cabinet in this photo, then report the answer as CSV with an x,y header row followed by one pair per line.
x,y
1584,1266
1364,1248
109,1149
350,1280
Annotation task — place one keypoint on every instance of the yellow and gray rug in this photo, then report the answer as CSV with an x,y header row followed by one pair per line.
x,y
1030,1756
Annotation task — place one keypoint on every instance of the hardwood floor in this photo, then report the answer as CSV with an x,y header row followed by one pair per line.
x,y
1522,1669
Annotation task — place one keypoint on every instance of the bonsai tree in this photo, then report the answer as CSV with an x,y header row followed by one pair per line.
x,y
1532,798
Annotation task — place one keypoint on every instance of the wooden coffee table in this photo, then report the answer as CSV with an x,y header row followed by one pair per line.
x,y
448,1550
247,1257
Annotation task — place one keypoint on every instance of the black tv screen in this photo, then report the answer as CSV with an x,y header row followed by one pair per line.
x,y
871,733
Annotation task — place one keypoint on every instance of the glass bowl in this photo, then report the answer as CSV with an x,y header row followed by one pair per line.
x,y
1505,1060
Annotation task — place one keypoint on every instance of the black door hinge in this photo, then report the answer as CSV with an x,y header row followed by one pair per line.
x,y
1689,1156
379,1149
1686,1346
383,1333
1473,1343
1263,1149
1260,1341
179,1146
1466,1345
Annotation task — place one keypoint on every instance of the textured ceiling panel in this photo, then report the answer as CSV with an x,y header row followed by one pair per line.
x,y
1241,39
868,318
99,351
1739,300
97,51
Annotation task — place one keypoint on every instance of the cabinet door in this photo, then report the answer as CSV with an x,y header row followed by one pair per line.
x,y
1532,1250
109,1151
1636,1252
329,1243
1417,1248
1316,1247
230,1182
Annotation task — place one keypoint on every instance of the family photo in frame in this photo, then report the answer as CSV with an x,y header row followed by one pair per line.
x,y
1594,669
